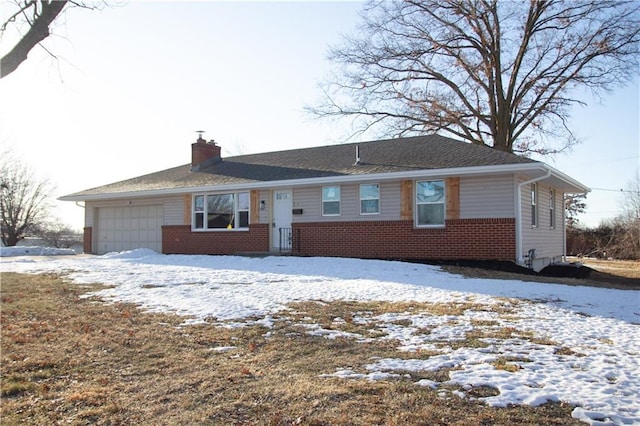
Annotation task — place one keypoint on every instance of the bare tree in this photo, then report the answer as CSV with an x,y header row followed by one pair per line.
x,y
495,73
629,220
631,198
23,200
31,20
58,234
574,205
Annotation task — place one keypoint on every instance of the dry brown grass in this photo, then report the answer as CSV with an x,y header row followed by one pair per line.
x,y
71,360
618,274
621,268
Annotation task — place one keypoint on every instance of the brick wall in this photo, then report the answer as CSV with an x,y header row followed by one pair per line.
x,y
86,239
477,239
180,239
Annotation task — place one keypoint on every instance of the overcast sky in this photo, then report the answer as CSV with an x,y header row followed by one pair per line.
x,y
134,82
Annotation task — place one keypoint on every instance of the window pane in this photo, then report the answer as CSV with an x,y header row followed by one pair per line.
x,y
331,208
331,193
368,192
199,221
430,192
199,203
431,214
243,218
369,206
220,211
243,201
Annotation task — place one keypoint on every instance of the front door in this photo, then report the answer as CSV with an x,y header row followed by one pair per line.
x,y
282,216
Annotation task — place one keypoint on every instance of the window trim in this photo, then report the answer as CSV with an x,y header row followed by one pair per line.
x,y
368,199
552,208
236,212
323,201
534,205
443,203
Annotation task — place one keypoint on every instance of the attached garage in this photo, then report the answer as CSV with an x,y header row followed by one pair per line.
x,y
129,227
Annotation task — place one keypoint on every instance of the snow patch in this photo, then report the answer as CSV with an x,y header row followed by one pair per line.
x,y
589,361
34,251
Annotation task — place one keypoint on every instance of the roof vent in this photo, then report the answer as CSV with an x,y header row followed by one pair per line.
x,y
357,155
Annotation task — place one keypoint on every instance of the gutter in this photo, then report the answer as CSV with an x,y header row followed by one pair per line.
x,y
519,258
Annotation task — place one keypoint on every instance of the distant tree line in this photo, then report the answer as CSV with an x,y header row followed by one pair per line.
x,y
618,238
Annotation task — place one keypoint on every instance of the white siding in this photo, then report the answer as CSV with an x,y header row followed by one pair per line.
x,y
89,214
174,211
310,200
487,197
263,215
547,241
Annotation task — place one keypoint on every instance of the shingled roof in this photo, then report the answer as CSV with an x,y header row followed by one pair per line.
x,y
384,156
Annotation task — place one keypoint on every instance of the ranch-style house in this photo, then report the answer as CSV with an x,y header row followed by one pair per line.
x,y
418,198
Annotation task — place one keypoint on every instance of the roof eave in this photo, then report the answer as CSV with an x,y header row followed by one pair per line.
x,y
422,173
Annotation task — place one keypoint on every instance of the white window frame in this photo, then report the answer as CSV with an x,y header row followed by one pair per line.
x,y
238,211
418,204
552,208
370,198
331,200
534,205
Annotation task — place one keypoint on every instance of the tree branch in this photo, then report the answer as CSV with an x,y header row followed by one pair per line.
x,y
38,31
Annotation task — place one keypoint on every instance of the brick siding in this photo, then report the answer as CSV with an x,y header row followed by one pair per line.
x,y
476,239
87,243
180,239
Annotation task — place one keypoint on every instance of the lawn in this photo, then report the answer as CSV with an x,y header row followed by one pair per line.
x,y
73,360
228,340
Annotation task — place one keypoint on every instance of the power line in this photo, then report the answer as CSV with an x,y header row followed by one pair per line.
x,y
616,190
588,163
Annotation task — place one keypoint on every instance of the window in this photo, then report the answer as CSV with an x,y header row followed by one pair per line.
x,y
552,208
370,199
534,205
330,200
198,211
221,211
243,210
430,203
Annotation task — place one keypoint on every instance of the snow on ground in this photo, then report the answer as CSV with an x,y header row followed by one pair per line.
x,y
34,251
593,362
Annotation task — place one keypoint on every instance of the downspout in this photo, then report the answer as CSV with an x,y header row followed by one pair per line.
x,y
519,258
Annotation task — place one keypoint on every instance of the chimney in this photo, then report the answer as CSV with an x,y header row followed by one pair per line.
x,y
204,153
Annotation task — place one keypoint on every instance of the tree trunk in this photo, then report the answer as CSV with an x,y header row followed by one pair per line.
x,y
38,31
11,240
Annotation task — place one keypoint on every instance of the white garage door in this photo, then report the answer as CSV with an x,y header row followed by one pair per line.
x,y
128,228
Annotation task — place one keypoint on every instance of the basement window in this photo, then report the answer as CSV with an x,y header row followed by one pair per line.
x,y
430,199
221,211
